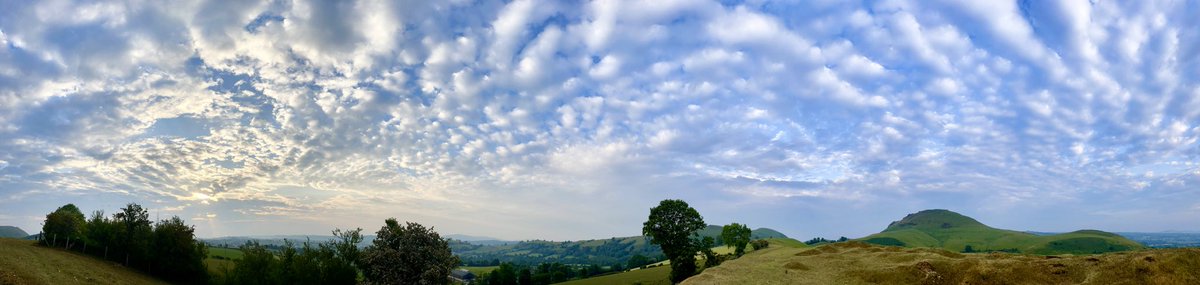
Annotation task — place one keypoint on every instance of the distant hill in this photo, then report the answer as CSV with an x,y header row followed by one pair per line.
x,y
953,231
861,263
714,231
12,232
24,262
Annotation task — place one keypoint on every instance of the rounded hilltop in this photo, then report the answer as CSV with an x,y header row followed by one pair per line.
x,y
934,219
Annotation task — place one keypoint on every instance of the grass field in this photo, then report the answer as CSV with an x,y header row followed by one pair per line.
x,y
862,263
23,262
227,253
660,274
649,276
479,270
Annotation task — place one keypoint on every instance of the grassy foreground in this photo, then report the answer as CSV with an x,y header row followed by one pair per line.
x,y
862,263
661,273
24,262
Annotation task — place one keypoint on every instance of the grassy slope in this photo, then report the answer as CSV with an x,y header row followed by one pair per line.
x,y
861,263
648,276
662,272
952,231
23,262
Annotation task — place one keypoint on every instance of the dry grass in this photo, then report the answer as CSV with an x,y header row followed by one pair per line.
x,y
23,262
860,263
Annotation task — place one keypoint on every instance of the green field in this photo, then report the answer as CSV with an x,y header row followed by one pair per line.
x,y
479,270
861,263
24,262
227,253
954,232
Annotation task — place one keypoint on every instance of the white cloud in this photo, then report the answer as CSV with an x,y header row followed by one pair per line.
x,y
276,111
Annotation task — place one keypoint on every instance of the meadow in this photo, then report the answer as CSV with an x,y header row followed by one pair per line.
x,y
861,263
25,262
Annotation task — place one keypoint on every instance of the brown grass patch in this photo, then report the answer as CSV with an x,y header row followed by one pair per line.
x,y
856,264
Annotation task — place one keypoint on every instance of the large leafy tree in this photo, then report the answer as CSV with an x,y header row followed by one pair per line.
x,y
409,254
736,235
64,224
177,255
672,226
135,233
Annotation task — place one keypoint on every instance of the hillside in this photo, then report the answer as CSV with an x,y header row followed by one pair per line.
x,y
610,251
12,232
714,231
660,274
861,263
954,232
615,250
23,262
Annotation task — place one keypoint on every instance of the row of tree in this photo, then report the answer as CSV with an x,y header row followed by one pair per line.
x,y
821,240
399,254
542,274
167,249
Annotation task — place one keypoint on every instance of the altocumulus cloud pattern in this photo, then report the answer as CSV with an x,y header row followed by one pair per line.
x,y
568,119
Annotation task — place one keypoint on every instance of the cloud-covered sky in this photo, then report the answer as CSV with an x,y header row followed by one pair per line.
x,y
569,120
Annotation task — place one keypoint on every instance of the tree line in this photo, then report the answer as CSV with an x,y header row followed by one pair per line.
x,y
399,254
167,249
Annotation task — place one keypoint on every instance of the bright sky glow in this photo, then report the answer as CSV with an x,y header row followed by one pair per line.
x,y
569,120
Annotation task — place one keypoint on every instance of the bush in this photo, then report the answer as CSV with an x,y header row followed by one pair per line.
x,y
410,254
759,244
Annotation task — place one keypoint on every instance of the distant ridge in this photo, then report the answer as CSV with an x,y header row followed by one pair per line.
x,y
12,232
714,231
955,232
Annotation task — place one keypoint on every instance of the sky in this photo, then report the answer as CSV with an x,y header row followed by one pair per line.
x,y
567,120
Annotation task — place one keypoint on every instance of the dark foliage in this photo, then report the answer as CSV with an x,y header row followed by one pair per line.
x,y
410,254
736,235
759,244
672,226
332,262
167,249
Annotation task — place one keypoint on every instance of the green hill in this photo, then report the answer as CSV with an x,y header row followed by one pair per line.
x,y
714,231
953,231
24,262
12,232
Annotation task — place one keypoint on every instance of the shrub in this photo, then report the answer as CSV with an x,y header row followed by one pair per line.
x,y
759,244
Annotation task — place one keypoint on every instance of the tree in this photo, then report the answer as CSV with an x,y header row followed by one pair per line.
x,y
736,235
64,224
638,260
711,258
178,256
134,231
410,254
672,226
759,244
525,277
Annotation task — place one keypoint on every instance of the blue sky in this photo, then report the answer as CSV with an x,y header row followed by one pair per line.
x,y
569,120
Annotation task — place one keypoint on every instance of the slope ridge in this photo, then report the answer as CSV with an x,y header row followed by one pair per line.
x,y
952,231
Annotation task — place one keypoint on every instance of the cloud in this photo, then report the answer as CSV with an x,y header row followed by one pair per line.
x,y
521,119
